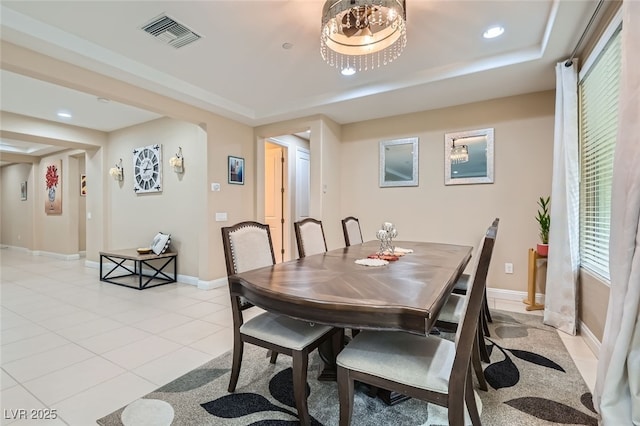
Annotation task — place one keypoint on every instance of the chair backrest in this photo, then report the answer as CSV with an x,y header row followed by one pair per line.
x,y
247,246
351,230
475,293
310,237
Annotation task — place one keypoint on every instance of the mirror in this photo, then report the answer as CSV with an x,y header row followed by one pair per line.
x,y
468,157
399,162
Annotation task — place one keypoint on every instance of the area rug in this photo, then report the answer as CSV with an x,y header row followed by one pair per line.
x,y
532,381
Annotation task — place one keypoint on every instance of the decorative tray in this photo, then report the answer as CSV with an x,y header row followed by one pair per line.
x,y
388,257
144,250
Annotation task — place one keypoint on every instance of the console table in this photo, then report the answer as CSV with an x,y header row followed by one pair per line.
x,y
130,263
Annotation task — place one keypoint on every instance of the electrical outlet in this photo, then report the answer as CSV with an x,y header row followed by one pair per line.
x,y
508,268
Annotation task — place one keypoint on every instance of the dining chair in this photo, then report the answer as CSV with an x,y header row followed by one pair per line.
x,y
247,246
450,314
351,230
310,237
428,368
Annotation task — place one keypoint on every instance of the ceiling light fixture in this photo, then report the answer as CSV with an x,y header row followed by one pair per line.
x,y
62,114
493,32
362,34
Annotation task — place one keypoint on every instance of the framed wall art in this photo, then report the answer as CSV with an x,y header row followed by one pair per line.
x,y
468,157
83,185
23,190
236,170
399,162
53,187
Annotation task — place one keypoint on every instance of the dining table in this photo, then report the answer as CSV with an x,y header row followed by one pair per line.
x,y
331,288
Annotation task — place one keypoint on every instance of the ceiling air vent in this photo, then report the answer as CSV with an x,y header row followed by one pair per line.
x,y
170,32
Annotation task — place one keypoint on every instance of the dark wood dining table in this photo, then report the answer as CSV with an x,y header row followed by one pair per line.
x,y
330,288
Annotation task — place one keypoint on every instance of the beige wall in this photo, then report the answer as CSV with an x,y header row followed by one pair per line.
x,y
136,218
16,227
461,213
593,297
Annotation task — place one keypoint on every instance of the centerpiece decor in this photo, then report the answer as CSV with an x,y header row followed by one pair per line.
x,y
52,178
385,235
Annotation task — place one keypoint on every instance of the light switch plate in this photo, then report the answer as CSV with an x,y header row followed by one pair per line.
x,y
221,216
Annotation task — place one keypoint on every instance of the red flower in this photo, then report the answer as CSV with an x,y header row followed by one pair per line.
x,y
52,176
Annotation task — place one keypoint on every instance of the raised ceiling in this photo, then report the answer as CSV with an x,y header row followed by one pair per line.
x,y
240,69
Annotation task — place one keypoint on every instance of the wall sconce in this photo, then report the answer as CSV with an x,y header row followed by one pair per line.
x,y
117,172
177,162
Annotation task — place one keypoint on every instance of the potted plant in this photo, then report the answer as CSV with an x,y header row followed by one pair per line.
x,y
544,221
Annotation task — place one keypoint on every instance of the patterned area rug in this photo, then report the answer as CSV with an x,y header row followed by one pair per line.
x,y
532,381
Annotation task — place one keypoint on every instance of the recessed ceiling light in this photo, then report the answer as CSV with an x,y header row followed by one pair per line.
x,y
493,32
287,46
63,114
348,71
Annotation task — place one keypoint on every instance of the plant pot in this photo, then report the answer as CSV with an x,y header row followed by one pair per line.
x,y
543,250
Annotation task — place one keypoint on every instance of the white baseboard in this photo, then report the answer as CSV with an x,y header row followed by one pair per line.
x,y
498,293
60,256
210,285
590,339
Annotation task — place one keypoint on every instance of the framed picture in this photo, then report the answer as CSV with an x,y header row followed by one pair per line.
x,y
236,170
53,187
23,190
468,157
399,162
83,185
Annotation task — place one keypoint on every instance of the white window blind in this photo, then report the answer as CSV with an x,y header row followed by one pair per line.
x,y
598,95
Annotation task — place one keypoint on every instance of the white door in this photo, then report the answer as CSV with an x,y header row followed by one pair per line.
x,y
303,183
274,167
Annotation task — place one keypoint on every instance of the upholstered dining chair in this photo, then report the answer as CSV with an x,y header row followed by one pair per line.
x,y
247,246
351,230
310,237
428,368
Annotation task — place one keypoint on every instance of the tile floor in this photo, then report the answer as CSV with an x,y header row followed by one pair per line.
x,y
84,348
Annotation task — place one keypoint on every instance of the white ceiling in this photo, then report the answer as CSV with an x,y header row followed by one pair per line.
x,y
240,70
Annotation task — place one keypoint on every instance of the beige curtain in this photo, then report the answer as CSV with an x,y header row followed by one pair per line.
x,y
617,392
560,307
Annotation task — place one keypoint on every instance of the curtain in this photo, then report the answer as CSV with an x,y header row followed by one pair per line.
x,y
617,391
560,309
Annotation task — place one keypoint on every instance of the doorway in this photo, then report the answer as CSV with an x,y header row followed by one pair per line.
x,y
275,196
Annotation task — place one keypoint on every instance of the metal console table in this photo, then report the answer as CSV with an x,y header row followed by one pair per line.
x,y
158,275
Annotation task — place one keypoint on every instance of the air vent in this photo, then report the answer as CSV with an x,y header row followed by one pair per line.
x,y
171,32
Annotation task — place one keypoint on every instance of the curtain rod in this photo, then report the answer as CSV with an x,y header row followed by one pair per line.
x,y
584,33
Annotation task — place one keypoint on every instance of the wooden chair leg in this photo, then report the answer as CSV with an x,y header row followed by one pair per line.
x,y
487,312
485,323
470,399
274,357
345,395
484,353
238,348
477,366
300,364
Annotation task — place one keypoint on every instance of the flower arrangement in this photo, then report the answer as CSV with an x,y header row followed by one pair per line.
x,y
386,234
52,178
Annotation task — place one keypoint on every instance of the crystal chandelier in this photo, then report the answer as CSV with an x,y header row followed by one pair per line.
x,y
459,153
362,34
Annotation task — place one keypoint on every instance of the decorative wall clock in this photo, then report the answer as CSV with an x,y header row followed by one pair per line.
x,y
147,172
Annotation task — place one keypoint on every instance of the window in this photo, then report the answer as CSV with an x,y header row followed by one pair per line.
x,y
598,123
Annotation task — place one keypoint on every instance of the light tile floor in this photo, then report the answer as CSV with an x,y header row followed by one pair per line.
x,y
84,348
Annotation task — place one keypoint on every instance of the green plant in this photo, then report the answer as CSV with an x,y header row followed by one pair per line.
x,y
543,218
